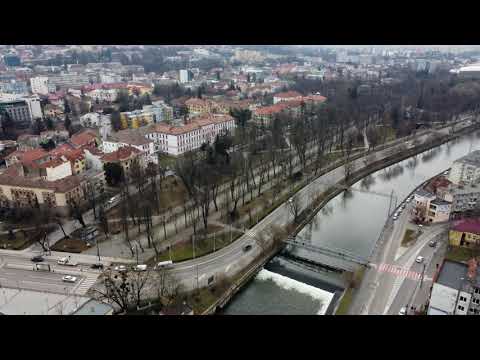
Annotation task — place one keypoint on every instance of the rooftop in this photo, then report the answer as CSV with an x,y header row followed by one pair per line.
x,y
129,136
288,94
473,158
451,274
123,153
93,307
467,225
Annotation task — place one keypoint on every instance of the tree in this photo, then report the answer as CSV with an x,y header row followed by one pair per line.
x,y
294,207
49,123
66,106
67,123
113,173
38,126
84,107
115,120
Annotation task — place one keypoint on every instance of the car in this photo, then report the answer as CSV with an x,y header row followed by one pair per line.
x,y
163,265
396,214
66,261
141,267
420,225
97,266
395,218
445,173
403,311
247,247
408,200
419,259
120,268
38,258
432,243
69,278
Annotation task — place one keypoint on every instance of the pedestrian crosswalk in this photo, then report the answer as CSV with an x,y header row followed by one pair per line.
x,y
86,283
399,271
251,233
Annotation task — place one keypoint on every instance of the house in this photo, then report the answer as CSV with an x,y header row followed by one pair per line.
x,y
439,210
26,156
85,138
125,157
456,289
465,233
28,141
422,199
131,137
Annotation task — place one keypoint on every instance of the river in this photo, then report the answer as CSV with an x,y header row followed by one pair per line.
x,y
351,221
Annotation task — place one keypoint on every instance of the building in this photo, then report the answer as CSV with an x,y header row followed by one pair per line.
x,y
39,85
462,197
185,76
422,200
176,140
465,233
466,170
470,72
439,210
130,137
199,106
456,290
265,114
125,156
17,110
14,87
98,121
287,96
68,80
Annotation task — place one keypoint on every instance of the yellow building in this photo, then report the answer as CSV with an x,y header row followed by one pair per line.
x,y
465,233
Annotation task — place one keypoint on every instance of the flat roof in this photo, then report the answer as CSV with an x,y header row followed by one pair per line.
x,y
451,274
29,302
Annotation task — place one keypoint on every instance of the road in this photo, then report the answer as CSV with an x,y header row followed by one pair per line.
x,y
232,258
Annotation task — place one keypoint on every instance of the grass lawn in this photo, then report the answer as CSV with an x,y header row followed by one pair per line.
x,y
345,303
348,296
456,253
184,251
408,237
18,243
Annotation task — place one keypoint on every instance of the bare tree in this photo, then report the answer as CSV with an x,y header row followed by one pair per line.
x,y
294,207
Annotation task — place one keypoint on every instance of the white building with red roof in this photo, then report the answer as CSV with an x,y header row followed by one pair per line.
x,y
287,96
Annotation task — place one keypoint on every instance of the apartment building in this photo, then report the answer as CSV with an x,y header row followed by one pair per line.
x,y
465,233
39,85
125,156
466,170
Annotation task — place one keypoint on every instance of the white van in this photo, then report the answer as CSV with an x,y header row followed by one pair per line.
x,y
66,261
163,265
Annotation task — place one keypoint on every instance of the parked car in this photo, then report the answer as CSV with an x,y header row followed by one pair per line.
x,y
120,268
395,217
139,267
38,258
69,279
97,266
419,259
403,311
432,243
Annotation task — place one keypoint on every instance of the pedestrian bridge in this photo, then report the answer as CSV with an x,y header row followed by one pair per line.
x,y
323,255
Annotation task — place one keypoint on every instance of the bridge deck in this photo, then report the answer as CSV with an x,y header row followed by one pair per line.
x,y
322,259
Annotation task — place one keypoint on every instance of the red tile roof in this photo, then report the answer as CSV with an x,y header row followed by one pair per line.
x,y
467,225
83,138
288,94
30,156
121,154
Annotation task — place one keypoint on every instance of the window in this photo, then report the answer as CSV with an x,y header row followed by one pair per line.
x,y
461,308
477,291
476,301
462,298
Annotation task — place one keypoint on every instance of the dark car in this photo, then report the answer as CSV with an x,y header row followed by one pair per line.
x,y
97,266
247,248
37,258
432,243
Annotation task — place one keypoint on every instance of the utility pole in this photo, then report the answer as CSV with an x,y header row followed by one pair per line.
x,y
423,274
193,245
98,249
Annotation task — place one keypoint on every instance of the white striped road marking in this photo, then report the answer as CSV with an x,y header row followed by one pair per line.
x,y
399,272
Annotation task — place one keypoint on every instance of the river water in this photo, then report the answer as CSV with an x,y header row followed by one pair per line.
x,y
351,221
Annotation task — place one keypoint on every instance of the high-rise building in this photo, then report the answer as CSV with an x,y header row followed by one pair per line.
x,y
184,76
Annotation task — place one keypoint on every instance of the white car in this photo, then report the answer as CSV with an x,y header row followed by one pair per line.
x,y
395,218
403,311
66,261
120,268
419,259
69,278
140,267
